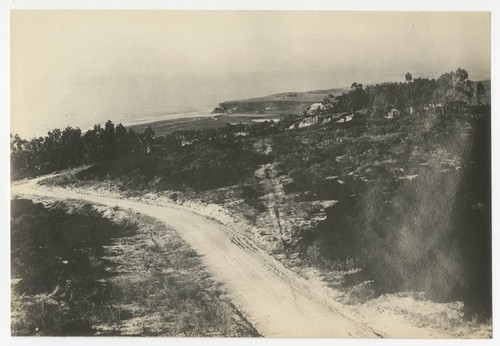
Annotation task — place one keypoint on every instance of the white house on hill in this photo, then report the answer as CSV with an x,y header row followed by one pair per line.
x,y
314,109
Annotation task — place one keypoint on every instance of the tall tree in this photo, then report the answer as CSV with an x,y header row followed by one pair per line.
x,y
454,87
480,91
148,136
462,74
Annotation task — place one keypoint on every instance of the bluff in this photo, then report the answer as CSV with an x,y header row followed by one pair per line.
x,y
289,102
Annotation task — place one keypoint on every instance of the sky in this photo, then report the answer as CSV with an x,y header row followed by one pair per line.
x,y
83,67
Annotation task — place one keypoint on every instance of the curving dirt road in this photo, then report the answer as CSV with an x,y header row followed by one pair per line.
x,y
275,300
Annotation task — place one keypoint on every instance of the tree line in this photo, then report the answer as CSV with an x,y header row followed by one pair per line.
x,y
62,149
451,90
201,159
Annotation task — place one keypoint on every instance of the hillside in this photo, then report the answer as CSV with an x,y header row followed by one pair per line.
x,y
392,214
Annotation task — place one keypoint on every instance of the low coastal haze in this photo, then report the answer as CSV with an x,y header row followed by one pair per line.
x,y
79,68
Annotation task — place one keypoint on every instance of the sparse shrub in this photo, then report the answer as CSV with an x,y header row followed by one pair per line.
x,y
56,257
409,226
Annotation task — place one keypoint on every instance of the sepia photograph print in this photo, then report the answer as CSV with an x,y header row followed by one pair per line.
x,y
278,174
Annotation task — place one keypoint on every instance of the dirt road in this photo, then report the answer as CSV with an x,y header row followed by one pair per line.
x,y
275,300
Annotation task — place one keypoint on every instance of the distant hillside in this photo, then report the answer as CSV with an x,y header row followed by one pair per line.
x,y
288,102
295,102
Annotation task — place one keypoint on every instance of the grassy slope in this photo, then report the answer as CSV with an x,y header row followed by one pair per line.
x,y
84,271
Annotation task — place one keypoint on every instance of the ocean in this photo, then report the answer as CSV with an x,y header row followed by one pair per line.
x,y
36,128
